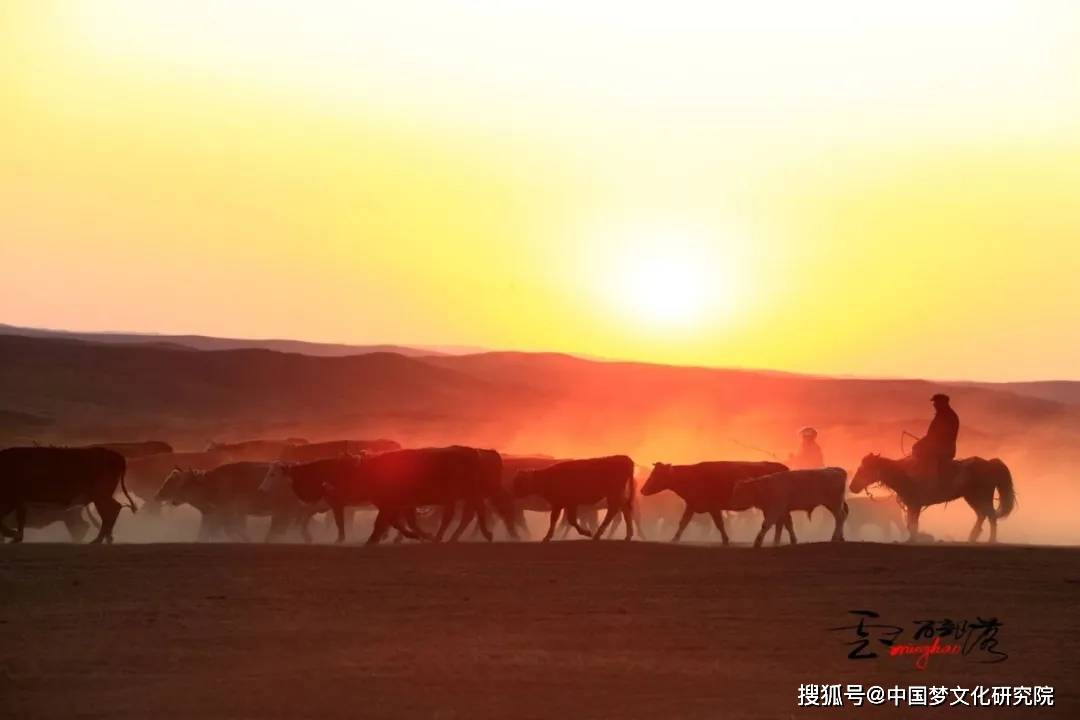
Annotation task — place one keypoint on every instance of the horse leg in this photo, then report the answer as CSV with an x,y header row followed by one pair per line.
x,y
555,512
913,522
977,529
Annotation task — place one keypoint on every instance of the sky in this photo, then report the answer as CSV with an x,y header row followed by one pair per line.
x,y
833,187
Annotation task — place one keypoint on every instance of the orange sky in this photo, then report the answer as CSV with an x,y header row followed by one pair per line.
x,y
822,187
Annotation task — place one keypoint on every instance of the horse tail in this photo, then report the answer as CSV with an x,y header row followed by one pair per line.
x,y
1006,492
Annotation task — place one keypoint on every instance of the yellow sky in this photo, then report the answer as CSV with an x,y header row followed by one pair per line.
x,y
822,187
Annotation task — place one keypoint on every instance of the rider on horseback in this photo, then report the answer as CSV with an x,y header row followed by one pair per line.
x,y
934,452
808,456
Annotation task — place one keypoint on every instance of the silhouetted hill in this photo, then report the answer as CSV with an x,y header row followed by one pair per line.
x,y
203,342
1064,391
62,390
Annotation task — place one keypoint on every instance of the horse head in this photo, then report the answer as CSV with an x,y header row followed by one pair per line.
x,y
869,473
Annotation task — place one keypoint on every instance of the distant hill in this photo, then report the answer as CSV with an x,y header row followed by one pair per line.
x,y
203,342
67,390
1064,391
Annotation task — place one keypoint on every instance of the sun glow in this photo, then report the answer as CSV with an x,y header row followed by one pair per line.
x,y
670,281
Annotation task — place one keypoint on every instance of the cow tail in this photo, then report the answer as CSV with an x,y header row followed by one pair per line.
x,y
131,503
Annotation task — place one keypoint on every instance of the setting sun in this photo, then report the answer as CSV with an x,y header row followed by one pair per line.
x,y
668,282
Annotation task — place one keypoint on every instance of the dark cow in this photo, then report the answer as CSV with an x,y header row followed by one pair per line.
x,y
311,483
511,466
399,482
706,487
227,495
332,483
573,483
131,450
780,494
61,477
336,448
77,520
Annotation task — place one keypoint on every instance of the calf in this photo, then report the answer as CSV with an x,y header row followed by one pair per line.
x,y
227,495
573,483
706,487
779,494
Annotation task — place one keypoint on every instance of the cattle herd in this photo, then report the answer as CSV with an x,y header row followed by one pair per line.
x,y
417,493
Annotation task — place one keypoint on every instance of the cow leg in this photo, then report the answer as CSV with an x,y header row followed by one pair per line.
x,y
609,516
572,521
790,528
718,520
564,527
304,523
628,518
414,525
518,521
5,531
761,533
555,512
382,521
992,516
236,526
448,512
77,526
616,522
468,514
20,523
203,533
406,526
687,516
107,509
838,529
279,524
338,511
482,523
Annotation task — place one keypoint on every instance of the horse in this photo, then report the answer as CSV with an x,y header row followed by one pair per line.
x,y
975,479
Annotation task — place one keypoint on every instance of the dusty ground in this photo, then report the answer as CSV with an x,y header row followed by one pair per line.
x,y
572,629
